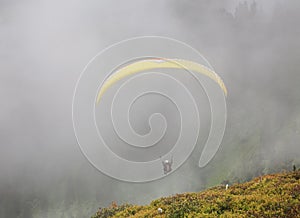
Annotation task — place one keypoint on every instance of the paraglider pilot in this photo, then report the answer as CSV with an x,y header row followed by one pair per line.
x,y
167,165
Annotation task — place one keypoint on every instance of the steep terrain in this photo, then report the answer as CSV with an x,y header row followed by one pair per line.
x,y
275,195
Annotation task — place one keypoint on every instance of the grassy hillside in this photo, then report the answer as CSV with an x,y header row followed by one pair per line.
x,y
276,195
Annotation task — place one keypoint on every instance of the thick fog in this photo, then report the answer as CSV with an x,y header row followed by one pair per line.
x,y
44,45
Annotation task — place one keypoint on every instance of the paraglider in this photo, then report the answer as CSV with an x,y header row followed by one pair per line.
x,y
167,165
217,102
159,63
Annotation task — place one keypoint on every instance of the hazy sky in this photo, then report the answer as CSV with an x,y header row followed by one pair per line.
x,y
44,45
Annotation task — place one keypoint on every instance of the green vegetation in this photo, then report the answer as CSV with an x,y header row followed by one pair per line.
x,y
276,195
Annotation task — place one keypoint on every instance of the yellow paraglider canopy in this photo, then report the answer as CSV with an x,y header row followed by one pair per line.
x,y
149,64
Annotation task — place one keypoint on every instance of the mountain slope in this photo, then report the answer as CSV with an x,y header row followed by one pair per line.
x,y
276,195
